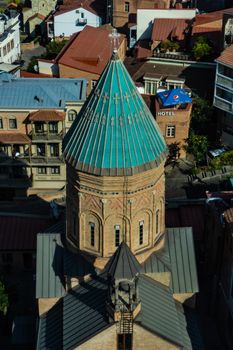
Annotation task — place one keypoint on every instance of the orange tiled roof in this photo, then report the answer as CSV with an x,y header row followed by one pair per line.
x,y
25,74
17,138
47,115
226,56
89,50
38,15
164,27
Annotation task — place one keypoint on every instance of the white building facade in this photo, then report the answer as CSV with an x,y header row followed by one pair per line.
x,y
223,96
9,38
70,22
146,18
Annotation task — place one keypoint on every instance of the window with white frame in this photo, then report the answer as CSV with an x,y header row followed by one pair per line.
x,y
126,6
170,131
12,123
93,83
55,170
117,235
141,229
72,115
42,170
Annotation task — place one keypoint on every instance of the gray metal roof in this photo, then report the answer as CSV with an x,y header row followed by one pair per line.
x,y
49,266
158,310
84,312
50,329
123,264
178,257
55,261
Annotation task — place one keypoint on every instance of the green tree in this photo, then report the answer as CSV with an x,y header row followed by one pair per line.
x,y
202,115
169,45
201,48
197,145
54,48
4,301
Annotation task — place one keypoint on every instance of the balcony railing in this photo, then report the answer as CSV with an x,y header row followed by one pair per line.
x,y
34,159
81,22
225,82
224,105
36,136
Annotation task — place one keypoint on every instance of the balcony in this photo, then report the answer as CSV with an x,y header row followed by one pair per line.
x,y
43,160
224,81
222,104
46,136
81,22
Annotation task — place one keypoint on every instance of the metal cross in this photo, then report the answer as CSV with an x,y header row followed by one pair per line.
x,y
116,98
127,97
105,97
114,39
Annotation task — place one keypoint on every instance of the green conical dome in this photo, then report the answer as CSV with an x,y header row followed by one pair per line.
x,y
114,133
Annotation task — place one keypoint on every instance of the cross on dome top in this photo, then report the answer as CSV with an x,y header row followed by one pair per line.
x,y
114,36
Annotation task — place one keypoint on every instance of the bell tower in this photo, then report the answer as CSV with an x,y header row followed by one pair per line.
x,y
115,157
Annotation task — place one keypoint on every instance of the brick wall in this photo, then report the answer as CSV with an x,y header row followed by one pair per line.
x,y
100,200
180,118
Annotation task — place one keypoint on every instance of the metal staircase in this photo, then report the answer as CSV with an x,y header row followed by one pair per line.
x,y
125,325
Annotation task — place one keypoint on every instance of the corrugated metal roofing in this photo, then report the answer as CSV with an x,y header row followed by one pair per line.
x,y
178,257
123,264
19,232
163,28
50,329
39,93
84,313
115,133
54,262
158,310
50,280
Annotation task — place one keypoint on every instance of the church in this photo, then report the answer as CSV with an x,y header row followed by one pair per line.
x,y
111,275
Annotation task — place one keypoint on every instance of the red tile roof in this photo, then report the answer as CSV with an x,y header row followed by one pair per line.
x,y
17,138
25,74
164,28
89,51
36,15
226,56
47,115
210,16
19,233
94,6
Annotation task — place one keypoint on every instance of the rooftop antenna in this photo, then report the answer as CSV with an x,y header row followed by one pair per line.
x,y
114,36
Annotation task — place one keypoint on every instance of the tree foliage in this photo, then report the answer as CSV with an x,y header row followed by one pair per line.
x,y
54,48
169,45
201,48
4,301
197,145
202,115
222,160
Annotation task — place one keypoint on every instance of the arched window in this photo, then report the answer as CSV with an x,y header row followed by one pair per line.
x,y
72,115
92,233
141,227
157,222
117,235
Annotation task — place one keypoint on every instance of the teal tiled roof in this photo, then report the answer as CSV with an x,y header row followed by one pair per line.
x,y
115,133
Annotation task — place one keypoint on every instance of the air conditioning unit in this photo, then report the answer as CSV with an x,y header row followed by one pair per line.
x,y
77,11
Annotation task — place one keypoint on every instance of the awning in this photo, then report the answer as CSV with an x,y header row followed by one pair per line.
x,y
174,97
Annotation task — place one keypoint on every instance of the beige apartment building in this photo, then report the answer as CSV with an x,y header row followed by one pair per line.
x,y
35,114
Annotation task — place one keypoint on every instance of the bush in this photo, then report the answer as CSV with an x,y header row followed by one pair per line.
x,y
54,48
224,159
169,45
201,48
